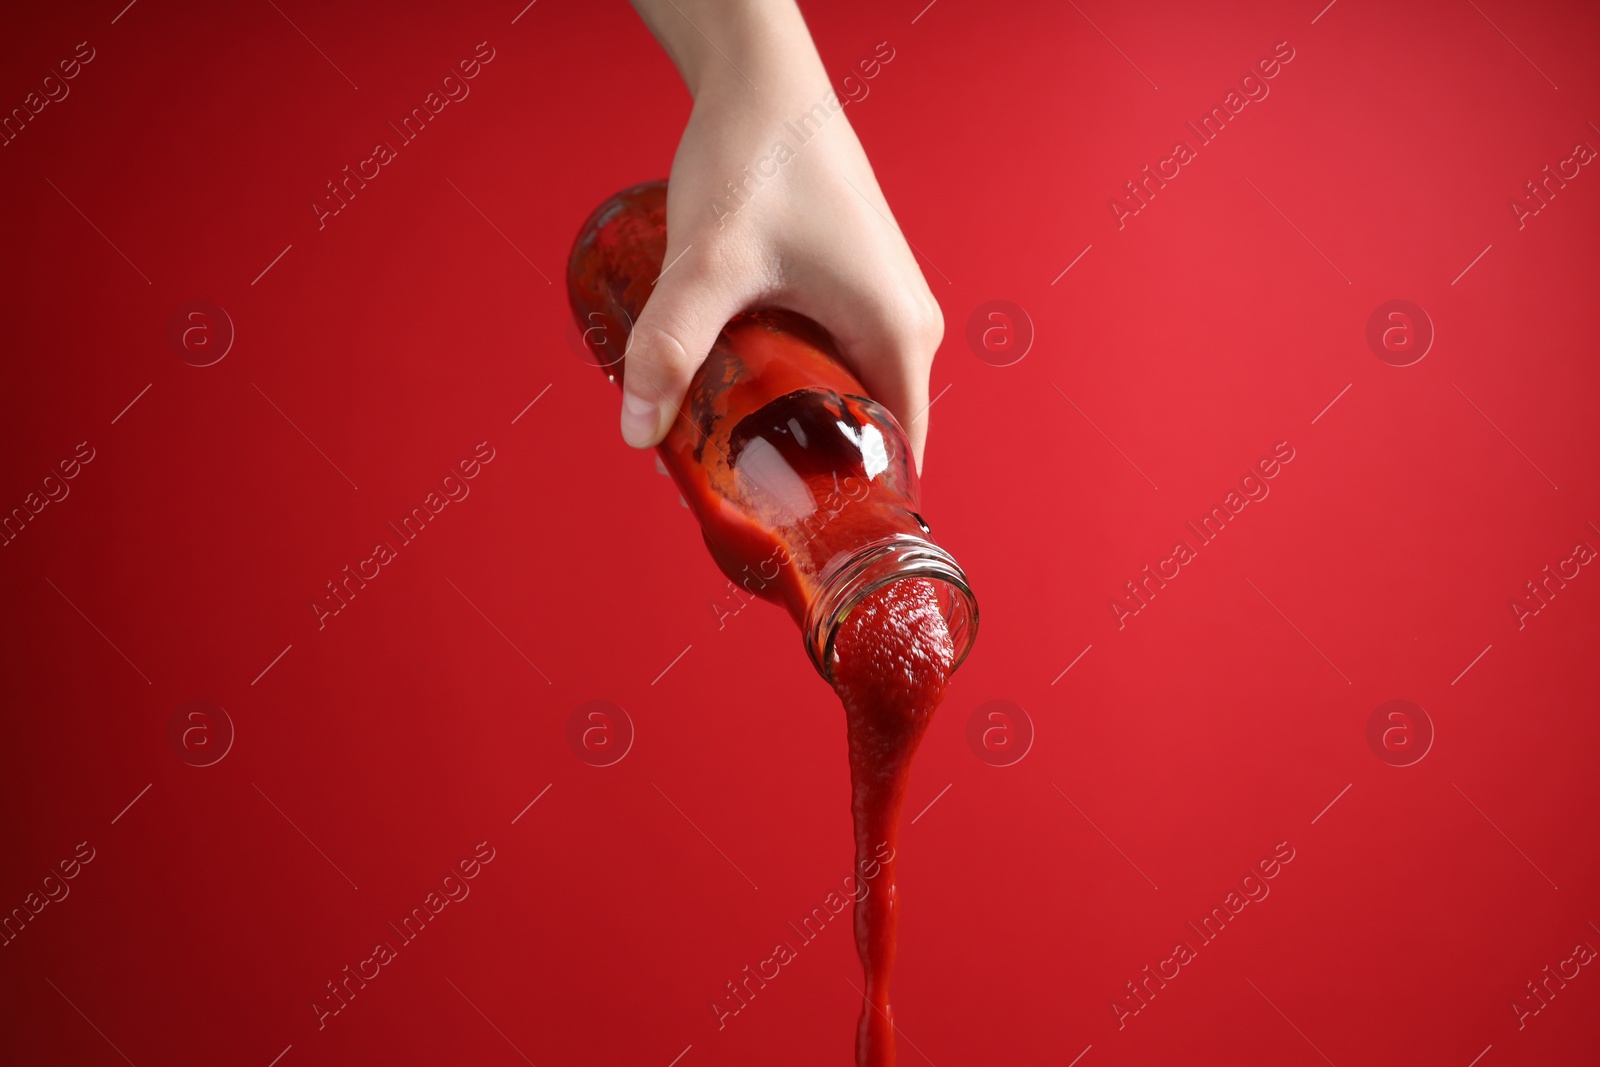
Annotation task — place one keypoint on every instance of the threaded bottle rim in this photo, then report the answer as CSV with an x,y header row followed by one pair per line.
x,y
848,580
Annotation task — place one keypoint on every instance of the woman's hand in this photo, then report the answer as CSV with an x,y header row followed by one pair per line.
x,y
772,203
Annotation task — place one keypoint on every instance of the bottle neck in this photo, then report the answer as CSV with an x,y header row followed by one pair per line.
x,y
851,578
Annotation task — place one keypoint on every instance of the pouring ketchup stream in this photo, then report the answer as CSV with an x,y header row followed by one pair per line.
x,y
894,657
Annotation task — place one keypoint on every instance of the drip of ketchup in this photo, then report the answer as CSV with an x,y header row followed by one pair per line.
x,y
892,658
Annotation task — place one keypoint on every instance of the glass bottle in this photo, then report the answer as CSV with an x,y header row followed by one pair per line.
x,y
805,488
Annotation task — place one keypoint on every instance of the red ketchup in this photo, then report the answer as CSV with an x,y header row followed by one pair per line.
x,y
893,656
807,495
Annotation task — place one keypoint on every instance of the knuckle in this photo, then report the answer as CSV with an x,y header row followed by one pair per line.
x,y
933,320
920,320
656,343
650,375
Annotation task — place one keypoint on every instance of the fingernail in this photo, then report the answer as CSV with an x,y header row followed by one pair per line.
x,y
639,420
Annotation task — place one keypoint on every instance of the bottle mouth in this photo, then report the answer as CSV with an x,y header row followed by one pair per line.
x,y
846,582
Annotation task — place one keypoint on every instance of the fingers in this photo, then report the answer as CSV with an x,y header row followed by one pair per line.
x,y
675,330
888,337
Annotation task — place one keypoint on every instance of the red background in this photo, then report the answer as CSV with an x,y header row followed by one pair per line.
x,y
1223,719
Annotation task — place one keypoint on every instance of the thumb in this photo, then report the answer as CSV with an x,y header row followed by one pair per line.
x,y
675,331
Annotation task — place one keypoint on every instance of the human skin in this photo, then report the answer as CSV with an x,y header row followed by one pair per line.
x,y
817,238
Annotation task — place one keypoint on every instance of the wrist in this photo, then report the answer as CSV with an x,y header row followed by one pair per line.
x,y
732,47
